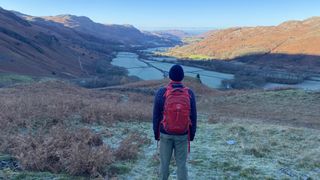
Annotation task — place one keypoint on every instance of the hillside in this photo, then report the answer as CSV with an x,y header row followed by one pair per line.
x,y
30,49
177,34
40,47
127,35
292,37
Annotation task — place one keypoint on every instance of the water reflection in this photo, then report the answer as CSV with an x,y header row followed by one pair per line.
x,y
153,69
135,67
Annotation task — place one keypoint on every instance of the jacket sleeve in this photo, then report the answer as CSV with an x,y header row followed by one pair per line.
x,y
157,112
193,115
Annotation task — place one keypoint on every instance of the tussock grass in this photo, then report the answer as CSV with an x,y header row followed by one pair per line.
x,y
57,127
129,147
54,102
260,151
42,126
285,107
61,150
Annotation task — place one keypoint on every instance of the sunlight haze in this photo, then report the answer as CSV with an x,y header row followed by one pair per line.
x,y
148,14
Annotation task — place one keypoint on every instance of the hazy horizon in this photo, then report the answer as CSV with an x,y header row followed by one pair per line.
x,y
146,14
190,30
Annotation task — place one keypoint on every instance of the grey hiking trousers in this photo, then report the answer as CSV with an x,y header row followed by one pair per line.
x,y
178,143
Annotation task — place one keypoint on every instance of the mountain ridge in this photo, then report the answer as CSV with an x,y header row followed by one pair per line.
x,y
36,46
125,34
290,37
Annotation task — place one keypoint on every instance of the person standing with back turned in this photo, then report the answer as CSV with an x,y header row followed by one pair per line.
x,y
174,123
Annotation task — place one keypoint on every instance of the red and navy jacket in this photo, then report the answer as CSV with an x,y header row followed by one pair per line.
x,y
159,107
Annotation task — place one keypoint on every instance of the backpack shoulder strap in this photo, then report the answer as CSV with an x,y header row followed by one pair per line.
x,y
168,89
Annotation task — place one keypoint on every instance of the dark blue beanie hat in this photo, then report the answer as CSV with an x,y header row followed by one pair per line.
x,y
176,73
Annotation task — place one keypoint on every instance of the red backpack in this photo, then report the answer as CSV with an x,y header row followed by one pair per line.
x,y
176,114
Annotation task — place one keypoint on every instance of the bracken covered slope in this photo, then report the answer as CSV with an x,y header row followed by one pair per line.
x,y
291,37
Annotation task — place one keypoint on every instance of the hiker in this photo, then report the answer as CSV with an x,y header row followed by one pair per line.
x,y
198,77
174,123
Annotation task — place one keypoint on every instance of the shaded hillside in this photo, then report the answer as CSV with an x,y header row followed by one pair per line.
x,y
76,47
127,35
292,37
47,50
172,34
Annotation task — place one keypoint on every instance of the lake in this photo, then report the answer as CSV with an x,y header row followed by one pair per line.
x,y
153,69
156,69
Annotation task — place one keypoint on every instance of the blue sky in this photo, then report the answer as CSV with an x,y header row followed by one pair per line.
x,y
149,14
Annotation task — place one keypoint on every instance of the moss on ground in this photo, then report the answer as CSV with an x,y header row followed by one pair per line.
x,y
5,157
8,79
27,175
119,168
